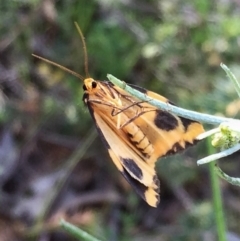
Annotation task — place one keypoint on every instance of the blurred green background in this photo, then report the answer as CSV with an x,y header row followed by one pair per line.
x,y
173,48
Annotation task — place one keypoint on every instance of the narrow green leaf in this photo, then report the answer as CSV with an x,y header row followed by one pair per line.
x,y
77,232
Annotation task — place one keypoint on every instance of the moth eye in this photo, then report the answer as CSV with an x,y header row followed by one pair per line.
x,y
84,87
94,84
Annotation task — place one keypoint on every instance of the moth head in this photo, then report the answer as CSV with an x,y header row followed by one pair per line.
x,y
90,85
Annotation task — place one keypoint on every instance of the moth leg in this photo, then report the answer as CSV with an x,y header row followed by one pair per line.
x,y
104,103
135,117
129,106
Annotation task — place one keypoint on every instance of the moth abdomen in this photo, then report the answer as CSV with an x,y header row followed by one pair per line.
x,y
139,139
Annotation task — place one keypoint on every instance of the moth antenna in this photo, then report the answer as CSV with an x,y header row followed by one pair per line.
x,y
59,66
84,49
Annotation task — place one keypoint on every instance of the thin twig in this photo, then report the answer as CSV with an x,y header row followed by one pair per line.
x,y
193,115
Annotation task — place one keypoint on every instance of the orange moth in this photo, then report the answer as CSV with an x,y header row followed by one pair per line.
x,y
135,133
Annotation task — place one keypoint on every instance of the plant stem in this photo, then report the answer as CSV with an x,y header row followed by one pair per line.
x,y
77,232
217,199
193,115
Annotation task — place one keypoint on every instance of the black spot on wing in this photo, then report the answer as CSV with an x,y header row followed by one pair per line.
x,y
165,121
178,148
132,167
142,90
157,183
186,122
171,103
175,148
110,84
98,129
138,186
85,98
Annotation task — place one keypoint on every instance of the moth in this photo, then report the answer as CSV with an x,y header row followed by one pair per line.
x,y
135,133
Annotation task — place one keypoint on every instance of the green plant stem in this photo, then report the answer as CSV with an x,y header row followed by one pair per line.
x,y
232,77
193,115
232,180
217,199
219,155
77,232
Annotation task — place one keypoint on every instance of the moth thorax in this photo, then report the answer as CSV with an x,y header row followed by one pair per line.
x,y
139,139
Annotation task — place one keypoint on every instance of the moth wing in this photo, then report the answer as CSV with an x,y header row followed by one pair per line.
x,y
139,174
191,128
167,132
